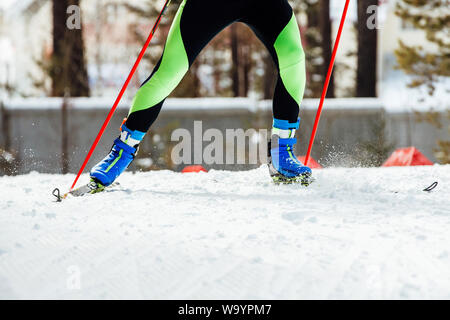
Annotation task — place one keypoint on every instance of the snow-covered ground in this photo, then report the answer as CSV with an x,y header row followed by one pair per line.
x,y
355,233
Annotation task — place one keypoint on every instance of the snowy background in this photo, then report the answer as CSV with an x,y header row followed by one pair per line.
x,y
355,233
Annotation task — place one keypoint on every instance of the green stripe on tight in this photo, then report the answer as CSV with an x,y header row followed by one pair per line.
x,y
291,59
173,67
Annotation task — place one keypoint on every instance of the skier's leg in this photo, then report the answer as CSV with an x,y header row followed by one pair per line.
x,y
275,24
194,25
166,75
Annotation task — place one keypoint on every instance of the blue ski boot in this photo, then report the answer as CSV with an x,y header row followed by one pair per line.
x,y
284,167
120,157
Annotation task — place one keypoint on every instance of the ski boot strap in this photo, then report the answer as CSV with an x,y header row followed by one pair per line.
x,y
122,145
285,124
130,137
284,129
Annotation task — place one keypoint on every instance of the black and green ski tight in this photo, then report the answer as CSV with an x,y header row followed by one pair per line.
x,y
196,23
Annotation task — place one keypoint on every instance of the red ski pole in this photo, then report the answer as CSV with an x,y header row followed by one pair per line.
x,y
327,82
122,91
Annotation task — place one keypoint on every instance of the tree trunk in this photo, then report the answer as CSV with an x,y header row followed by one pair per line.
x,y
234,60
311,13
366,78
246,69
195,80
68,72
325,30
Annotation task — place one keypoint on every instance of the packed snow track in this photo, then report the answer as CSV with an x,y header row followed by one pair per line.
x,y
354,233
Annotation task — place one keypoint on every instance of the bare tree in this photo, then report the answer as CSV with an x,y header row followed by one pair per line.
x,y
68,67
325,30
234,44
366,78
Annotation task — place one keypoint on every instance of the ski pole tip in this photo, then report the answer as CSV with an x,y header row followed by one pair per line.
x,y
432,187
57,195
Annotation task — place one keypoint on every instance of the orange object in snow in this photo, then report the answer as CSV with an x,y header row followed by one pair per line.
x,y
313,164
190,169
407,157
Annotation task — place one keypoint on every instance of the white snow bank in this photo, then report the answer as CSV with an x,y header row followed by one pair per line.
x,y
107,102
355,233
403,102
